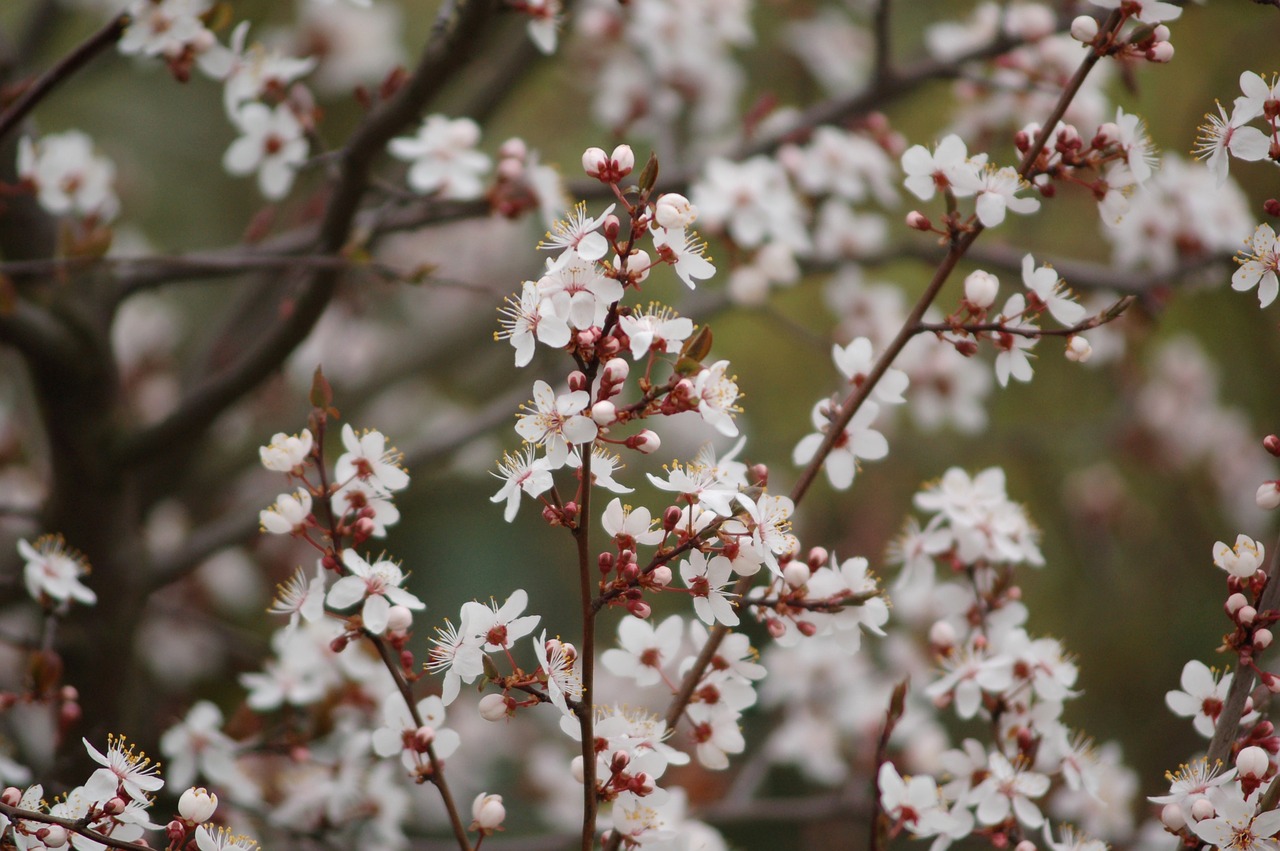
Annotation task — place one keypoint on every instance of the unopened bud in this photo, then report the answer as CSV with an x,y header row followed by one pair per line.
x,y
646,442
1160,32
817,557
1025,845
488,812
493,707
616,371
1161,51
942,635
1262,639
1252,762
660,576
806,628
619,762
577,381
55,837
1171,816
1084,29
197,805
623,160
399,619
612,226
1271,206
980,289
594,162
1246,615
919,221
796,574
1078,349
1235,603
513,148
340,643
11,796
575,769
674,212
1201,809
605,562
671,517
115,806
639,608
604,413
1268,495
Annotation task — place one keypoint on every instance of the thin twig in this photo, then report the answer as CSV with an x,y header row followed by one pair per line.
x,y
61,72
72,825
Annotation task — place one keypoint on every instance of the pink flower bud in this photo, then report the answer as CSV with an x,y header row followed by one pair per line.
x,y
1246,615
1235,603
1201,809
1160,32
594,162
575,769
1084,29
423,737
488,812
619,762
1268,495
796,574
817,557
513,148
776,628
674,211
671,517
980,289
604,413
510,169
1078,349
660,576
1171,816
12,796
399,619
919,221
616,371
115,806
639,608
646,442
493,707
1161,51
577,381
623,160
1253,762
1262,639
942,635
55,837
806,628
605,562
197,805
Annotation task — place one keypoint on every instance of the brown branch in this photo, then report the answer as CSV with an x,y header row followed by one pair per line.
x,y
455,32
72,825
1228,723
1111,314
61,72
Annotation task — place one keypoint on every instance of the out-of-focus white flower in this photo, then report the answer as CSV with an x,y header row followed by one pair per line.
x,y
272,143
70,177
443,158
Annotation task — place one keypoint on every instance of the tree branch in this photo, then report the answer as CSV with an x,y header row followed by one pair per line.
x,y
457,27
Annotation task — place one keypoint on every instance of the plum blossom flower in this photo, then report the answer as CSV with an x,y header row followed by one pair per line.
x,y
368,458
556,422
377,584
579,292
300,598
501,627
69,176
1238,825
166,28
644,649
286,452
1242,560
577,237
123,769
443,158
1221,136
706,579
1009,788
629,526
949,167
249,74
858,440
717,394
997,192
1013,360
521,472
1147,11
272,143
1257,92
290,515
1259,266
557,661
222,839
685,252
1131,136
398,729
1051,292
53,570
913,802
458,652
196,746
658,329
1201,698
855,362
528,319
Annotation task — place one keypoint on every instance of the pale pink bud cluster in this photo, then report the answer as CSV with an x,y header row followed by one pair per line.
x,y
608,168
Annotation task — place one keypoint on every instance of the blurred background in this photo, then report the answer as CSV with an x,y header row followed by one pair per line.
x,y
1132,465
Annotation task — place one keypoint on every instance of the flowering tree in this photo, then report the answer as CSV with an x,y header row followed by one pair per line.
x,y
657,651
